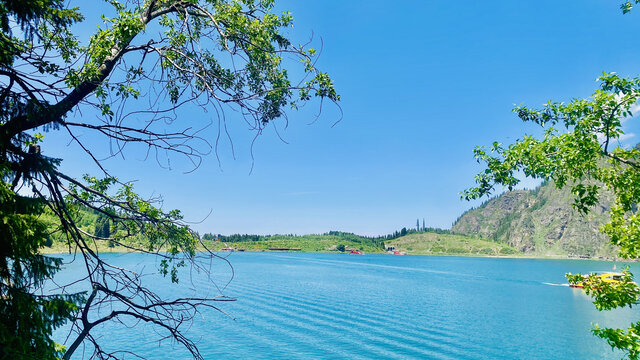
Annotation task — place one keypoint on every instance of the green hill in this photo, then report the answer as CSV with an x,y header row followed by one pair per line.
x,y
449,244
537,222
328,242
540,222
431,242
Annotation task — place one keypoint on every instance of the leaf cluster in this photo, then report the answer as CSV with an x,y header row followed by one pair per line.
x,y
581,149
609,295
28,319
209,54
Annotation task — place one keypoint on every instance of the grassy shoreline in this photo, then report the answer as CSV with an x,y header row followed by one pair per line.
x,y
122,250
421,244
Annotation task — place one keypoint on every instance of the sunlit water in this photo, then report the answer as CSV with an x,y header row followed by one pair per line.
x,y
302,306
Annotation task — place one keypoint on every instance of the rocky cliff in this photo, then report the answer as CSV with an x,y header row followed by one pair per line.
x,y
540,221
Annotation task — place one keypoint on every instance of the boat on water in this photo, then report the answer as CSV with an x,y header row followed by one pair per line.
x,y
355,252
399,253
609,277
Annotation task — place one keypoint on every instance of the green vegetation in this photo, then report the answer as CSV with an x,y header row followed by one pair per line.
x,y
306,243
214,55
347,237
580,150
414,243
211,54
312,243
430,243
28,319
541,222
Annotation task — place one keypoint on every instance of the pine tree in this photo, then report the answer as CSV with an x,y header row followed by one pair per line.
x,y
403,232
207,55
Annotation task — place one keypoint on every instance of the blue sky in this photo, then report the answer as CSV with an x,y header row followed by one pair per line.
x,y
422,83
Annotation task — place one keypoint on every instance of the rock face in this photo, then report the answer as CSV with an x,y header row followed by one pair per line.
x,y
540,221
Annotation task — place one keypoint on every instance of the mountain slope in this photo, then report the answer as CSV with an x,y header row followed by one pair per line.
x,y
541,222
431,243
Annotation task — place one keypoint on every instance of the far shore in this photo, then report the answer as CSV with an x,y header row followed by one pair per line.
x,y
120,249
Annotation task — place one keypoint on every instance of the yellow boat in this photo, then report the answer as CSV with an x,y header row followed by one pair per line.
x,y
605,277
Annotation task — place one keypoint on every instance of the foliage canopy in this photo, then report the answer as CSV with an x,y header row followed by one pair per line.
x,y
581,149
213,54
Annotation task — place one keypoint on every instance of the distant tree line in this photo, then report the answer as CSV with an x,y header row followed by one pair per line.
x,y
345,236
404,231
377,241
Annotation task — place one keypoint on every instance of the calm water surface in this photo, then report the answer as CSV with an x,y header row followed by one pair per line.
x,y
335,306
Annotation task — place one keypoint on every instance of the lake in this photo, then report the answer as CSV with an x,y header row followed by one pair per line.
x,y
336,306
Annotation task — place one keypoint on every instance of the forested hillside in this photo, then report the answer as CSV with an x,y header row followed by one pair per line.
x,y
540,222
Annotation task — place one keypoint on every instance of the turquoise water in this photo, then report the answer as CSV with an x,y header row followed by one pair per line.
x,y
334,306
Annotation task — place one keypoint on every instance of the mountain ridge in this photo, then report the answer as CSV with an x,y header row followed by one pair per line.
x,y
541,222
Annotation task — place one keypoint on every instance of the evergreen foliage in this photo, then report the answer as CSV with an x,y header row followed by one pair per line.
x,y
28,319
376,242
216,55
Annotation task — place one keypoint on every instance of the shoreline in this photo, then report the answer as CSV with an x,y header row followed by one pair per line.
x,y
124,250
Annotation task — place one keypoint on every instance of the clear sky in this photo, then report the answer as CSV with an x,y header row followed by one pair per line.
x,y
422,84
